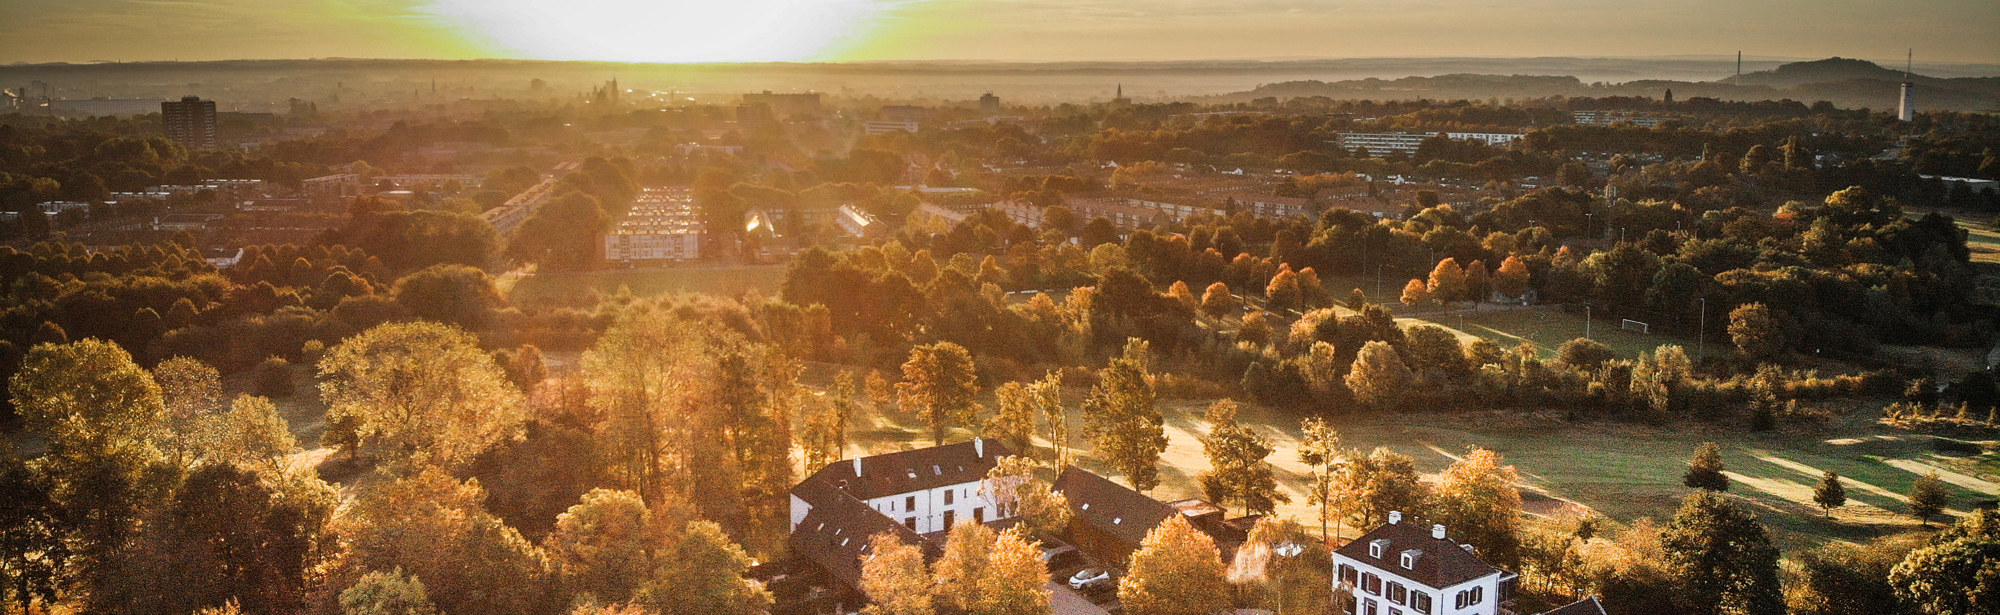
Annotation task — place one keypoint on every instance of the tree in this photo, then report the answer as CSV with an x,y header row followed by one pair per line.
x,y
703,575
1236,455
940,384
1287,565
968,551
562,235
1176,571
1013,423
386,593
1705,469
1584,353
192,394
895,579
1016,579
1447,283
1478,499
1014,486
1122,419
1283,291
420,391
1927,497
252,434
1416,293
451,294
1047,394
1953,573
33,553
611,543
1382,481
1218,302
1511,278
434,528
99,415
230,535
1756,331
1379,377
823,430
1828,494
1723,557
1320,451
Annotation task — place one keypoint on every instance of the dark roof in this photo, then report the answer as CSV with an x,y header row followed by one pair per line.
x,y
1111,507
835,535
1586,606
1441,564
903,471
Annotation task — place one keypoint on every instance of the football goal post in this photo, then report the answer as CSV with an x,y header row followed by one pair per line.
x,y
1633,325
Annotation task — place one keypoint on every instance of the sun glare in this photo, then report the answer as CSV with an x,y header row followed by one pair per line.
x,y
666,31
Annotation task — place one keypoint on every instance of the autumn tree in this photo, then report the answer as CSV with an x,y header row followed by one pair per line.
x,y
435,528
1321,452
1236,457
940,383
1927,497
1756,331
1415,293
968,552
704,575
1218,302
1479,500
1723,558
387,593
1379,378
1584,353
1015,580
420,391
1447,282
1013,422
192,394
1014,485
1286,566
1511,278
1953,572
1047,396
1829,494
1176,571
1705,469
1122,419
34,548
823,426
1283,291
609,544
895,578
229,535
1378,483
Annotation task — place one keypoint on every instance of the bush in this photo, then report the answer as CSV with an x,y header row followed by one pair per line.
x,y
274,378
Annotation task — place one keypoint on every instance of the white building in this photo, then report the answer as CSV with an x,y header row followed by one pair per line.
x,y
876,127
1495,139
661,226
1378,143
1403,569
1607,118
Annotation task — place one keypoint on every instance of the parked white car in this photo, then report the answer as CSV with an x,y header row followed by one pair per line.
x,y
1088,577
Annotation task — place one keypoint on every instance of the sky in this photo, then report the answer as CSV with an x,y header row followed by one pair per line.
x,y
1002,30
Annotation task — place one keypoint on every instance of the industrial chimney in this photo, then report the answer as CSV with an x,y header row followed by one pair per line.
x,y
1395,517
1906,105
1437,531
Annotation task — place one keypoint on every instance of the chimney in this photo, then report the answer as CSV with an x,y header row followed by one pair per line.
x,y
1395,516
857,467
979,448
1437,531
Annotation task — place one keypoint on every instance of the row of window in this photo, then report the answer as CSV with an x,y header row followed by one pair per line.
x,y
1395,592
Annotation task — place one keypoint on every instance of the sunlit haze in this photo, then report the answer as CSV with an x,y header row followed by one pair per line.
x,y
1014,30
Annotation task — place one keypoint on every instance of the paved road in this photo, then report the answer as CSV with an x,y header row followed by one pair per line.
x,y
1065,601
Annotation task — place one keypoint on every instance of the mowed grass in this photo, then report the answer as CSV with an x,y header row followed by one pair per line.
x,y
1548,327
1624,472
581,288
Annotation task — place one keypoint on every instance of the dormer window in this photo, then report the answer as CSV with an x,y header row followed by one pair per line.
x,y
1409,559
1377,547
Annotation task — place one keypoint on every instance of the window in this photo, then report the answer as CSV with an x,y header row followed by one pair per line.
x,y
1367,606
949,517
910,523
979,515
1371,583
910,504
1421,602
1377,547
1410,559
947,496
1398,594
1478,595
1347,574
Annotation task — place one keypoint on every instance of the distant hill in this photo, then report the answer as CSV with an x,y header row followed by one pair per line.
x,y
1818,71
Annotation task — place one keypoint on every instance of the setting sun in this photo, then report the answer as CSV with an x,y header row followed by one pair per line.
x,y
675,31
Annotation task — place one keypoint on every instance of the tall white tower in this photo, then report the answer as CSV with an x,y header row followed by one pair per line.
x,y
1906,105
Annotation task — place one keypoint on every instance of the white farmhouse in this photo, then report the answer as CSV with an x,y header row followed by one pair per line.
x,y
1403,569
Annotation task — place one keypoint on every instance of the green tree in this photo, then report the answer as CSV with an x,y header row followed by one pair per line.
x,y
1845,579
940,383
1479,499
1584,354
1723,557
1927,497
1236,457
1705,469
452,294
1954,572
703,575
1176,571
1379,377
1829,494
386,593
420,391
895,579
1320,451
1122,419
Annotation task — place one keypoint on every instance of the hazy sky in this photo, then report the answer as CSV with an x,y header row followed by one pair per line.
x,y
1028,30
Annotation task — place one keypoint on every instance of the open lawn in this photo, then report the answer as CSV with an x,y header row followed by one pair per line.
x,y
579,288
1624,472
1547,327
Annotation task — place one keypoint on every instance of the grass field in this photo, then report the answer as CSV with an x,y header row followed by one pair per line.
x,y
557,289
1548,327
1624,472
